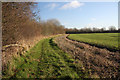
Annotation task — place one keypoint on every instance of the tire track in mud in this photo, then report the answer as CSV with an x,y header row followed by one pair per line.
x,y
39,71
97,61
17,70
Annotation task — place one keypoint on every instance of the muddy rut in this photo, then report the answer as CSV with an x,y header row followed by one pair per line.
x,y
101,62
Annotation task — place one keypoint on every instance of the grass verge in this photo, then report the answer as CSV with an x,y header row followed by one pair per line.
x,y
45,60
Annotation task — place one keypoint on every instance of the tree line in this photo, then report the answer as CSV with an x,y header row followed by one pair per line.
x,y
112,29
19,23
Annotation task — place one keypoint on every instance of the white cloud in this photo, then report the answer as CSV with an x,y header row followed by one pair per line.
x,y
93,19
52,6
73,4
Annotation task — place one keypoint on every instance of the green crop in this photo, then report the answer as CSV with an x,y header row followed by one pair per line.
x,y
103,40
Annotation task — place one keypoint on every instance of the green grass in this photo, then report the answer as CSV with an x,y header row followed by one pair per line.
x,y
106,40
45,60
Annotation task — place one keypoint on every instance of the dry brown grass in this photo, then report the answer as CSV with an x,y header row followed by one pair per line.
x,y
98,62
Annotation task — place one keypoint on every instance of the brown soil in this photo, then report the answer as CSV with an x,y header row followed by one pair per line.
x,y
101,62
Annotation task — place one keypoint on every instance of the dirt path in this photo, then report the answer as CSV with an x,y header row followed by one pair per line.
x,y
101,62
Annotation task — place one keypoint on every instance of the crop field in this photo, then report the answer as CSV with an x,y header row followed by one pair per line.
x,y
103,40
97,61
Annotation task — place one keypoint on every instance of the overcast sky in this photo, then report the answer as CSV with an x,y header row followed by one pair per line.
x,y
80,14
